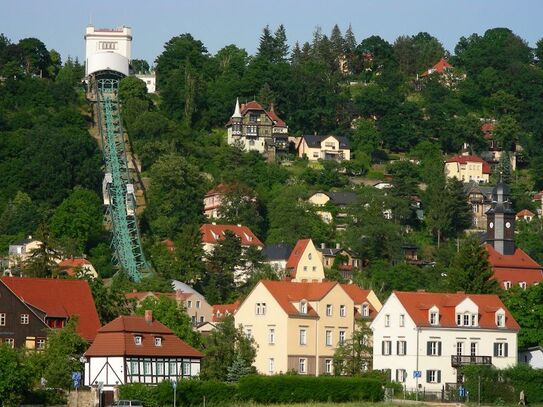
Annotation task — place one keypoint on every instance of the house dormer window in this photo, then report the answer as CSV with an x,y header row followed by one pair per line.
x,y
507,285
433,316
522,285
467,319
158,341
303,307
365,310
138,340
500,318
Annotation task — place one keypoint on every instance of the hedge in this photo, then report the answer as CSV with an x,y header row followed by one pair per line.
x,y
300,389
259,389
504,385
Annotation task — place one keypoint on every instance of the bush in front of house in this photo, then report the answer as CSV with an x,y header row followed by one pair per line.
x,y
259,389
300,389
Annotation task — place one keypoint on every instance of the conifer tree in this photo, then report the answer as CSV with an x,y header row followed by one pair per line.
x,y
281,47
350,40
267,45
337,42
470,270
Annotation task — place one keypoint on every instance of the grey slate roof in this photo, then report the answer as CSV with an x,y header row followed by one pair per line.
x,y
342,197
315,141
278,251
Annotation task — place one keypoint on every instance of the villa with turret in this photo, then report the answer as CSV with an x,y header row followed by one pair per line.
x,y
253,128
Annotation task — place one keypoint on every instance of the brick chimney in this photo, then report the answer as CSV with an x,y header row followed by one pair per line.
x,y
148,316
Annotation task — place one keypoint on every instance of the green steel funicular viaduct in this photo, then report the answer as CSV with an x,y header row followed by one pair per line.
x,y
118,189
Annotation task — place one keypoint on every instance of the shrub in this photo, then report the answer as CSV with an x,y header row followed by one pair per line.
x,y
298,389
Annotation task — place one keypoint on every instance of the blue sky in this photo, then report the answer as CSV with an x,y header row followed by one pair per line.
x,y
60,24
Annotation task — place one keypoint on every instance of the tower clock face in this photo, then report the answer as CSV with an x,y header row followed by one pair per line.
x,y
491,224
508,225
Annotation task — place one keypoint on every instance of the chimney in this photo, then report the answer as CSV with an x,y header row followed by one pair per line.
x,y
323,245
338,246
148,316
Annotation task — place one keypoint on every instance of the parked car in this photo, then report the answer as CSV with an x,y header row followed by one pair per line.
x,y
128,403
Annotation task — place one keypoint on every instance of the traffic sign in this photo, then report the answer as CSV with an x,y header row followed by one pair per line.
x,y
417,374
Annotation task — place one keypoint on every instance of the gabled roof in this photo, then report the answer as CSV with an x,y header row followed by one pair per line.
x,y
278,251
277,121
417,305
360,296
252,105
441,66
59,299
474,186
519,259
287,292
525,213
24,242
464,159
117,339
297,253
221,310
212,233
538,196
515,268
340,197
314,141
74,263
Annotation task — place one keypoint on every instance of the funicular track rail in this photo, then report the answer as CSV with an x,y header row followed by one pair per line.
x,y
117,188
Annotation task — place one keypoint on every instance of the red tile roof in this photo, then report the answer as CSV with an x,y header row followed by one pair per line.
x,y
515,268
439,67
218,190
286,292
360,296
117,339
70,265
252,105
525,213
417,305
59,299
276,119
487,127
213,233
538,196
169,244
297,253
220,310
464,159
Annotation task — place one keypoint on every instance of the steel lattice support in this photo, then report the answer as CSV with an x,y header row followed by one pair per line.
x,y
121,210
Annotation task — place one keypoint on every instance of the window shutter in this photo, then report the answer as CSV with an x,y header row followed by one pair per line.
x,y
397,378
495,349
428,348
439,376
397,351
439,348
383,348
506,350
405,348
427,376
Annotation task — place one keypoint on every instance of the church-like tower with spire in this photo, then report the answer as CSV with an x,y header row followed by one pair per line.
x,y
500,219
511,265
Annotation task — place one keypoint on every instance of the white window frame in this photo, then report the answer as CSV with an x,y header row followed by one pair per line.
x,y
387,320
402,320
342,310
459,348
434,348
500,320
402,348
387,347
342,336
329,310
186,368
138,340
522,284
328,366
40,343
500,350
198,303
433,376
401,375
25,319
303,336
271,365
328,337
302,365
10,342
3,319
303,307
158,341
271,335
434,318
365,310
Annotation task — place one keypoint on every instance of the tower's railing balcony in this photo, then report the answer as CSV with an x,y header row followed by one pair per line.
x,y
463,360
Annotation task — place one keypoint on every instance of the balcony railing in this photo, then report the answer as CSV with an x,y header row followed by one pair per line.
x,y
463,360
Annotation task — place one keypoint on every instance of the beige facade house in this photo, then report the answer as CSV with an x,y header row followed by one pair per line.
x,y
467,168
21,250
305,263
324,148
213,199
298,325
